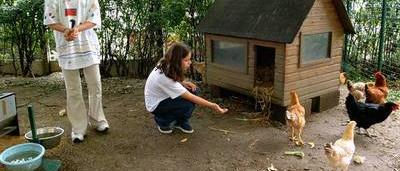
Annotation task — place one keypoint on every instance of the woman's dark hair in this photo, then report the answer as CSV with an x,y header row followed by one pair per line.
x,y
171,63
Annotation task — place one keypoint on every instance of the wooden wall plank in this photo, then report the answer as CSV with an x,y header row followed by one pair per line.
x,y
241,80
313,80
320,78
303,97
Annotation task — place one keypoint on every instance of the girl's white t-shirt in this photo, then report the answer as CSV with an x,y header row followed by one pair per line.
x,y
84,51
159,87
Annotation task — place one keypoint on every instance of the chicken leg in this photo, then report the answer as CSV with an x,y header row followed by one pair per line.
x,y
290,132
358,131
300,140
370,134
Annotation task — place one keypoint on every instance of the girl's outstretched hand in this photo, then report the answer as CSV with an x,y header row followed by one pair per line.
x,y
218,109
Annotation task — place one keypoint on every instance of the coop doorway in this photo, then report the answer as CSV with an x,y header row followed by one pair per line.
x,y
265,66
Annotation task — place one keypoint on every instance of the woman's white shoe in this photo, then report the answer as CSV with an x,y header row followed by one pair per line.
x,y
77,137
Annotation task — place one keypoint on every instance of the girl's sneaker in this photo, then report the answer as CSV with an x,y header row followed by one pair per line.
x,y
164,130
186,128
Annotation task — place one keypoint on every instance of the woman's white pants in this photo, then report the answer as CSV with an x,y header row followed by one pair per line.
x,y
76,108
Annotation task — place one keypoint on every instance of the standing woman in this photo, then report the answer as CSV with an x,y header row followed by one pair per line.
x,y
169,97
78,48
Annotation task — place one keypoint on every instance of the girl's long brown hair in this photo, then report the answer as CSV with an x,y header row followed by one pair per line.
x,y
171,63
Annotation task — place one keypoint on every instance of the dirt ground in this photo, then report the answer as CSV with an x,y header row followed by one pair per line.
x,y
133,142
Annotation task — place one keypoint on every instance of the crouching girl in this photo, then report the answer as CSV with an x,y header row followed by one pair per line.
x,y
169,97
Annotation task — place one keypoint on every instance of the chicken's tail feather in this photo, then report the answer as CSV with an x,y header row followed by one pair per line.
x,y
351,106
343,78
366,91
328,149
349,85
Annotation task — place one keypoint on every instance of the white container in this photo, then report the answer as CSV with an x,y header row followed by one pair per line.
x,y
8,109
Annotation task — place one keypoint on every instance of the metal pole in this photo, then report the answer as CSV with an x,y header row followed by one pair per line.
x,y
32,122
382,35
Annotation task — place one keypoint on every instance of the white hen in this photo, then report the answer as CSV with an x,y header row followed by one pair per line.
x,y
341,153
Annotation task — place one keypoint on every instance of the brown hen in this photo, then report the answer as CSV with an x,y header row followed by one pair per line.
x,y
295,119
377,93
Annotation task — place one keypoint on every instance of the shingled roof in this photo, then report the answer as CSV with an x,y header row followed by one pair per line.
x,y
271,20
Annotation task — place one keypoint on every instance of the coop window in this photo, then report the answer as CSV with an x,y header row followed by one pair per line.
x,y
315,47
229,54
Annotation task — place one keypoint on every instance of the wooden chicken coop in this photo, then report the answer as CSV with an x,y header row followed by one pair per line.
x,y
284,44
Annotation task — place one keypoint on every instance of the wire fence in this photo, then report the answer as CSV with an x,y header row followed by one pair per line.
x,y
362,52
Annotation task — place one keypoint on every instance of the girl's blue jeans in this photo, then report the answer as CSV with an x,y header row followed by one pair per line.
x,y
178,110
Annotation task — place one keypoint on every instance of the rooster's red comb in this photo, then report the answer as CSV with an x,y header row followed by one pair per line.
x,y
378,74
